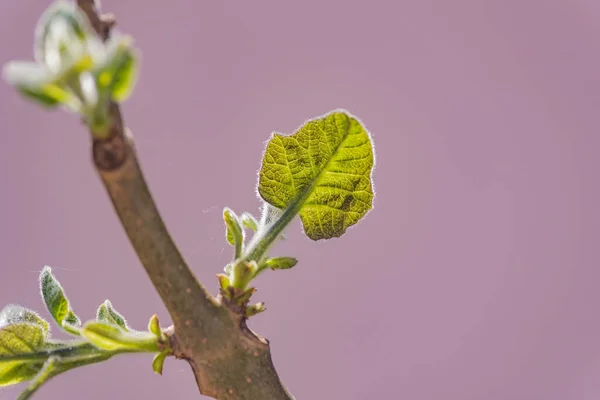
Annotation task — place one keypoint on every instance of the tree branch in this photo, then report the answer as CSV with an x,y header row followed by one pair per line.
x,y
229,361
117,164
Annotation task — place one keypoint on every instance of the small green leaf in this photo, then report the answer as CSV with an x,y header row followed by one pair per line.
x,y
49,95
119,73
112,338
249,221
281,263
14,314
154,326
323,172
235,233
37,83
59,26
56,300
20,339
159,361
224,281
244,296
255,309
106,313
243,272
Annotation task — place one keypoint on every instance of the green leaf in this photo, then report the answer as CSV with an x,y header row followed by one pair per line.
x,y
255,309
59,26
119,73
154,326
125,77
224,281
20,339
112,338
281,263
235,233
249,221
35,82
14,314
243,296
159,361
242,273
56,300
323,172
49,96
106,313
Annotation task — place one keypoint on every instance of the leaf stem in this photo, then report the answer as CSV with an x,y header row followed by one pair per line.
x,y
41,378
74,352
267,235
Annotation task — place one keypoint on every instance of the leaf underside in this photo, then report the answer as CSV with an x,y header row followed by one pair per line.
x,y
20,339
324,170
56,300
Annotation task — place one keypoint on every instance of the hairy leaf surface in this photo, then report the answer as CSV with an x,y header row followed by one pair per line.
x,y
323,171
20,339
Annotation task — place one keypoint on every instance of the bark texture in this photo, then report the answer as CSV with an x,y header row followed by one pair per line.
x,y
229,361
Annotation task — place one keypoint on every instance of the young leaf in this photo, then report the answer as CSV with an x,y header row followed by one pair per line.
x,y
60,25
14,314
20,339
37,83
159,361
112,338
125,77
224,281
118,74
255,309
249,221
323,172
244,296
49,96
235,233
281,263
106,313
242,273
55,299
154,326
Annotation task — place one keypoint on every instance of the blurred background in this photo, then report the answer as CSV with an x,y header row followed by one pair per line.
x,y
474,278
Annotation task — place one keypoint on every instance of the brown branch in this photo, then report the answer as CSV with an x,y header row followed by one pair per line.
x,y
229,361
117,164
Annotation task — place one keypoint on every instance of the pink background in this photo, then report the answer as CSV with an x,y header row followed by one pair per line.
x,y
476,276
